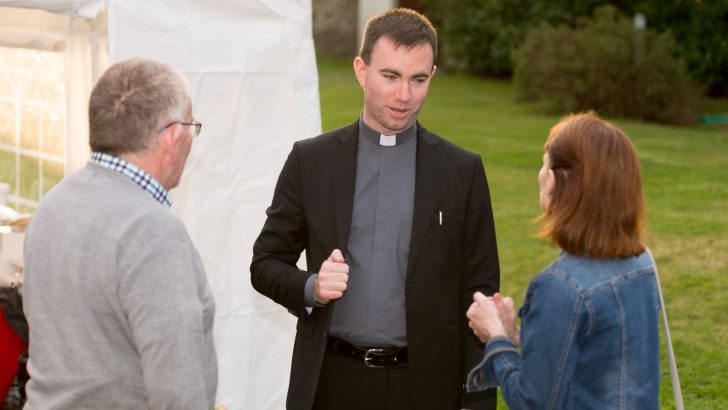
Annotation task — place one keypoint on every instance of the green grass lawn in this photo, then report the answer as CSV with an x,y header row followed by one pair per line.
x,y
685,172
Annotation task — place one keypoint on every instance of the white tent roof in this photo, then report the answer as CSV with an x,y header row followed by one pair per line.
x,y
70,8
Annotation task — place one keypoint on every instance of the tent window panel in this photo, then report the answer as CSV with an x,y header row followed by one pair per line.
x,y
31,126
21,65
54,142
32,123
7,125
7,170
5,86
29,177
52,174
47,85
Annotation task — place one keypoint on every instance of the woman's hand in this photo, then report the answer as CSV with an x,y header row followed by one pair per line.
x,y
485,320
508,317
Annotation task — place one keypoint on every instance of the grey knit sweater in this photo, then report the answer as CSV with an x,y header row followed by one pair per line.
x,y
116,297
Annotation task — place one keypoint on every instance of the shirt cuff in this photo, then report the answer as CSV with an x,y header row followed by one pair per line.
x,y
308,294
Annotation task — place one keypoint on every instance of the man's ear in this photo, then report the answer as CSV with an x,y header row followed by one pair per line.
x,y
434,70
360,69
169,139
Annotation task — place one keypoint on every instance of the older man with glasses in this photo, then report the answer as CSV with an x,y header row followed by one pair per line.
x,y
116,296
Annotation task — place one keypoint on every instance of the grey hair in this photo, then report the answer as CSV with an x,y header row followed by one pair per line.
x,y
132,100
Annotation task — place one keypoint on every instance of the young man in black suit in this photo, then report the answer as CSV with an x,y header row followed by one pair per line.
x,y
398,231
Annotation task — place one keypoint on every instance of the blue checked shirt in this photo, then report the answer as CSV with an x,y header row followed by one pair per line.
x,y
136,174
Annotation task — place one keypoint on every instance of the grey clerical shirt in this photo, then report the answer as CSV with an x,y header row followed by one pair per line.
x,y
372,310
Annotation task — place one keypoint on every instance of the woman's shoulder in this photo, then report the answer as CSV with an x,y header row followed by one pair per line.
x,y
587,273
558,274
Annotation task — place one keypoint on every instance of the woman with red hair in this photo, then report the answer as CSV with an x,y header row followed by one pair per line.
x,y
589,323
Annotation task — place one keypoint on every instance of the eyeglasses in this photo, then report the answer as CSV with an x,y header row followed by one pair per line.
x,y
193,127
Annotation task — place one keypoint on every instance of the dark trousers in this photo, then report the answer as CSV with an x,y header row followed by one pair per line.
x,y
347,384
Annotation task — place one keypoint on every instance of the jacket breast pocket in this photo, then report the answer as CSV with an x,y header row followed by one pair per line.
x,y
445,233
445,217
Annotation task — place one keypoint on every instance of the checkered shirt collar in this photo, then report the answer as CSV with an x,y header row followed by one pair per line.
x,y
136,174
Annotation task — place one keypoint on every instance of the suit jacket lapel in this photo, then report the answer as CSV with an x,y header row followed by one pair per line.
x,y
429,171
342,157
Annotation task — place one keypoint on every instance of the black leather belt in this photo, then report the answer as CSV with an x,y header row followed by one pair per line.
x,y
370,356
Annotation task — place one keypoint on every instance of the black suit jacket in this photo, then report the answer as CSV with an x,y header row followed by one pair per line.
x,y
311,210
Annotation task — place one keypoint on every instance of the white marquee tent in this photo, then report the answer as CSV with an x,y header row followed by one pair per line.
x,y
254,86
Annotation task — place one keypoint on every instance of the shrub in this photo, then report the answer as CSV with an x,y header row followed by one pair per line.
x,y
700,29
479,35
604,64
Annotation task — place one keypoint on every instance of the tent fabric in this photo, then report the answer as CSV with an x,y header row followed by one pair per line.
x,y
86,56
34,29
70,8
253,79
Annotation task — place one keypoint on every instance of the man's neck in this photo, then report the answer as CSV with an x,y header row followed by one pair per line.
x,y
149,163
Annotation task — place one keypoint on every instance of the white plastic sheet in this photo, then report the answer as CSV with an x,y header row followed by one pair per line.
x,y
252,71
71,8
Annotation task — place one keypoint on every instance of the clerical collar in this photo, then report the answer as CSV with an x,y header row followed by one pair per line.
x,y
386,140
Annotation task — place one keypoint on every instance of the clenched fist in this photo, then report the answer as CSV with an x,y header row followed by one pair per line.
x,y
331,281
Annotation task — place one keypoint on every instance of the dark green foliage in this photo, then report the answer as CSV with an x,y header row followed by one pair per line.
x,y
700,29
599,65
479,35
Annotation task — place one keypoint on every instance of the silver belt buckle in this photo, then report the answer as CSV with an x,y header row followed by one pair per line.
x,y
368,358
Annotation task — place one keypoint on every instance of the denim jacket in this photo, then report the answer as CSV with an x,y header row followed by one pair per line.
x,y
589,339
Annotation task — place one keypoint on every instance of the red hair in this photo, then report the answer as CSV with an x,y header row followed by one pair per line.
x,y
597,204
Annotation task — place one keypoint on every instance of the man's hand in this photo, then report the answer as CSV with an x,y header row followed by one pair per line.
x,y
331,281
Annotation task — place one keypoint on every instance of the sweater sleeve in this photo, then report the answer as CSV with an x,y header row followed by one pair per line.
x,y
164,294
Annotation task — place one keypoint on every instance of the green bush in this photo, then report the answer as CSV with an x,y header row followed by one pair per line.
x,y
606,65
479,35
700,29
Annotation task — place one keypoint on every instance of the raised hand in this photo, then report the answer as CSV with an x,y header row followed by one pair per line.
x,y
508,316
484,318
331,281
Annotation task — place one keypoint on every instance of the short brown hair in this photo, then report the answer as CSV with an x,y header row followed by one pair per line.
x,y
405,27
131,101
597,204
